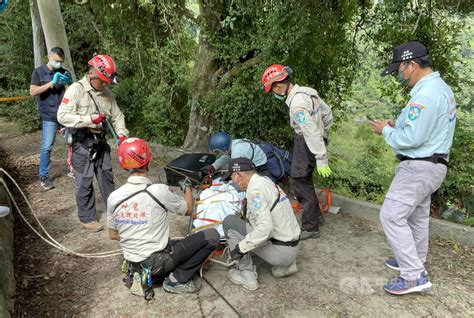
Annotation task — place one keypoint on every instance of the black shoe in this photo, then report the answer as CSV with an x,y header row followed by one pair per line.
x,y
46,183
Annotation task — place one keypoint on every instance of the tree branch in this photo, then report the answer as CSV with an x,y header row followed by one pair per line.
x,y
227,77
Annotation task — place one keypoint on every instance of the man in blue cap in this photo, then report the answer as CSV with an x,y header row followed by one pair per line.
x,y
421,137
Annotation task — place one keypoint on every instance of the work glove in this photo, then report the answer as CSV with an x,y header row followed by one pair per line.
x,y
324,171
121,138
185,183
207,170
100,118
236,253
56,78
66,78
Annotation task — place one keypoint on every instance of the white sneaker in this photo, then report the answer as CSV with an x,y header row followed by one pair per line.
x,y
283,271
246,279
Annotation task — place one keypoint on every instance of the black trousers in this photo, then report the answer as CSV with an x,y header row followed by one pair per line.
x,y
85,167
184,257
302,168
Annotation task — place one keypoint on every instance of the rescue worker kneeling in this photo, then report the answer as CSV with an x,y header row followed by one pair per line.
x,y
136,216
269,228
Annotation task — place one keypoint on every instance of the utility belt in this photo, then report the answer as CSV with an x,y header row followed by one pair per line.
x,y
94,143
436,158
159,262
290,243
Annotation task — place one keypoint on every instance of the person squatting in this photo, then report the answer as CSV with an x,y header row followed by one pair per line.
x,y
267,227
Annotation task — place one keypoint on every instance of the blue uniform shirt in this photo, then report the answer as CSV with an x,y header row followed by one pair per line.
x,y
426,124
242,148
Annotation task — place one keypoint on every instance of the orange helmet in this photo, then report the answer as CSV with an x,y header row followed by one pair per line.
x,y
133,153
104,67
275,73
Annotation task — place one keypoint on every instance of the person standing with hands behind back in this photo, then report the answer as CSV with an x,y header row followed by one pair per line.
x,y
48,84
421,137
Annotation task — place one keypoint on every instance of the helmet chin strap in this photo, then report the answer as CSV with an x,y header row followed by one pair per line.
x,y
287,88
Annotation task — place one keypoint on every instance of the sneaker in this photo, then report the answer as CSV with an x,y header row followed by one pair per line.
x,y
393,264
401,286
246,279
283,271
309,234
70,174
93,226
46,183
190,287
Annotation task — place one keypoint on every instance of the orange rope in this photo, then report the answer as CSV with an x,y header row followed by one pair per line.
x,y
325,206
12,99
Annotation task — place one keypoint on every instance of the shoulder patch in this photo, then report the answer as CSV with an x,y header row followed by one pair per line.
x,y
256,200
300,117
65,101
414,111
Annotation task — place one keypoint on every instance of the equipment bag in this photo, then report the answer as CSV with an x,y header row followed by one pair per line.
x,y
278,160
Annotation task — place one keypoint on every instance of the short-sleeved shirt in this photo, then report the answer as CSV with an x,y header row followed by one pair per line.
x,y
48,101
280,224
242,148
77,107
141,222
426,124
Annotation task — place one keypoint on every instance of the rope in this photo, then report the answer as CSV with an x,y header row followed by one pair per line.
x,y
12,99
184,175
51,241
222,296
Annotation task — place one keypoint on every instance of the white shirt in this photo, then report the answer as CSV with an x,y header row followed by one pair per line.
x,y
140,221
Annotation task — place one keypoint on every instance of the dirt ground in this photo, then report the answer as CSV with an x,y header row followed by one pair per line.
x,y
340,274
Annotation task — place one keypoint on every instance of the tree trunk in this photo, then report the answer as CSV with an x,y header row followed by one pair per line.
x,y
204,70
54,31
39,48
198,131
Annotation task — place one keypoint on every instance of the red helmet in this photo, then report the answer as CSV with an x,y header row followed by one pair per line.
x,y
104,67
274,73
133,153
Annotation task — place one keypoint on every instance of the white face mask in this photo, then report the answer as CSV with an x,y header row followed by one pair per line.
x,y
56,64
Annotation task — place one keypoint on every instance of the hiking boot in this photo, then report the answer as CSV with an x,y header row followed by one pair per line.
x,y
190,287
309,234
93,226
401,286
46,183
393,264
246,279
283,271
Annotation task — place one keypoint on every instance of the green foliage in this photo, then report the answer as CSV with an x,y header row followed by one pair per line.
x,y
458,187
315,40
16,49
23,112
361,162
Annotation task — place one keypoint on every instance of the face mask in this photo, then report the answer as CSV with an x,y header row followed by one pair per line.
x,y
401,80
55,64
279,97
